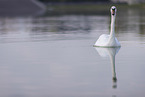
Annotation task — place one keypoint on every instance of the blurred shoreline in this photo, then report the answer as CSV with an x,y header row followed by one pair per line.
x,y
12,8
25,8
88,8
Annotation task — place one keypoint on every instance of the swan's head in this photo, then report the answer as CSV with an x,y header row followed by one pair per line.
x,y
113,10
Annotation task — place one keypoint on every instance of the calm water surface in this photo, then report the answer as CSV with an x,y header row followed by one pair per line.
x,y
53,56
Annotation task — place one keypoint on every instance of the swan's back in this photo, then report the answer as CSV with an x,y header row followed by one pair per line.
x,y
107,41
103,40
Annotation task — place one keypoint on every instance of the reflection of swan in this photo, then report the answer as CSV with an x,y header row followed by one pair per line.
x,y
109,40
111,52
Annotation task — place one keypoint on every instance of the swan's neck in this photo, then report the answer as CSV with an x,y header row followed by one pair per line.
x,y
112,32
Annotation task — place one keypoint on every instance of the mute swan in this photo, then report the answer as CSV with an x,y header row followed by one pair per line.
x,y
109,40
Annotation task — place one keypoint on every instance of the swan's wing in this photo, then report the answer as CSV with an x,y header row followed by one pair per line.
x,y
113,42
103,40
117,42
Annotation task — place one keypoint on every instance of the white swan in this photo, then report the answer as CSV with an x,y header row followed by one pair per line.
x,y
109,40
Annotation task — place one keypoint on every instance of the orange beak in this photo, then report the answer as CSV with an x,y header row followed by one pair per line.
x,y
113,11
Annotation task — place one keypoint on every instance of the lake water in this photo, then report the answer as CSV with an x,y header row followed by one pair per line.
x,y
53,56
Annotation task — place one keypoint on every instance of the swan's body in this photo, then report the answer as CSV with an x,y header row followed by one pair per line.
x,y
109,40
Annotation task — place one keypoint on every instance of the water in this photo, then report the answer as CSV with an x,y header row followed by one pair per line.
x,y
53,56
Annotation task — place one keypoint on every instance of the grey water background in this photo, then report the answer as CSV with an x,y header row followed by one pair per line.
x,y
53,56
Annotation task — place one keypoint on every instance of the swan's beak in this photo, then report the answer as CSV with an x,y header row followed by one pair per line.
x,y
113,11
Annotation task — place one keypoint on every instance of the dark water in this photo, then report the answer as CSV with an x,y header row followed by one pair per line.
x,y
53,56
